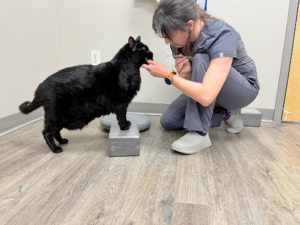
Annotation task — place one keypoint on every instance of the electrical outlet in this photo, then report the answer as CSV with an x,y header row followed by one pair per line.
x,y
95,57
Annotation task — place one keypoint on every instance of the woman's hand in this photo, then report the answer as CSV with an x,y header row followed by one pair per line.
x,y
156,69
183,65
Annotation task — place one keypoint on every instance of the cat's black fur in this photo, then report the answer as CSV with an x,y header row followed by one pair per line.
x,y
74,96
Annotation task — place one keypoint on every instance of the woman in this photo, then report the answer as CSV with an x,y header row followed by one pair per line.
x,y
221,76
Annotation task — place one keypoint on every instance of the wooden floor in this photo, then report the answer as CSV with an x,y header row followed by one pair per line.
x,y
249,178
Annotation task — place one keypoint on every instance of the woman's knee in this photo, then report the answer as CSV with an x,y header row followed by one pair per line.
x,y
170,124
165,123
173,117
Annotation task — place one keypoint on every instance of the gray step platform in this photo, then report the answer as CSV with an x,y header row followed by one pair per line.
x,y
124,142
251,117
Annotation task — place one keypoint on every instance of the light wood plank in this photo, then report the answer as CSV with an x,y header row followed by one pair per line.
x,y
190,214
43,178
279,199
249,178
142,194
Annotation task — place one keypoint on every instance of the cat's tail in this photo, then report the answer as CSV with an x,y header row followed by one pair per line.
x,y
28,107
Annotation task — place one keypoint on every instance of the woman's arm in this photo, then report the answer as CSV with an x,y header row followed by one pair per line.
x,y
204,92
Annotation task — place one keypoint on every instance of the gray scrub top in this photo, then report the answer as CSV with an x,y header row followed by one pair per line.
x,y
218,39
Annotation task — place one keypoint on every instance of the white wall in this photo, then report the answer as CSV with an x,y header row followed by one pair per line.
x,y
262,25
28,53
29,44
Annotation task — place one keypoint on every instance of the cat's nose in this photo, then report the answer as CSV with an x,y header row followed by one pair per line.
x,y
151,55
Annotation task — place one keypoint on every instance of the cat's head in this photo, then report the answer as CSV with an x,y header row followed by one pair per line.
x,y
139,50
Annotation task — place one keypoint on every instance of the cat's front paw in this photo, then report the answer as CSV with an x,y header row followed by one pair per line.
x,y
125,126
57,149
63,141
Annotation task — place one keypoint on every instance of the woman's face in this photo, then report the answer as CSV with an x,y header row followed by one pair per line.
x,y
179,38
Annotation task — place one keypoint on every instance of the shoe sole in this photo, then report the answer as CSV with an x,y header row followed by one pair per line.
x,y
190,151
233,131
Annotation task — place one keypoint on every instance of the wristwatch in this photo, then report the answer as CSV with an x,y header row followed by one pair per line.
x,y
169,78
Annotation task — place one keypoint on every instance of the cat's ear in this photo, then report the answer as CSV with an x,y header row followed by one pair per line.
x,y
138,39
131,42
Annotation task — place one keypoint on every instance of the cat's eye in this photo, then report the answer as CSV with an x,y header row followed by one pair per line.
x,y
144,48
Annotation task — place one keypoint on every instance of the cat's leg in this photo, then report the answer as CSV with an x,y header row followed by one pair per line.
x,y
59,138
49,138
49,132
122,120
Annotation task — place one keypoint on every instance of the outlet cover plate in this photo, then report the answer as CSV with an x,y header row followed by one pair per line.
x,y
95,57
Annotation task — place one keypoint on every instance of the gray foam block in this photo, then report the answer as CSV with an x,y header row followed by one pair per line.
x,y
142,121
124,142
251,117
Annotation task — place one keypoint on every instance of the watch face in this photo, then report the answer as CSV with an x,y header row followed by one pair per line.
x,y
168,81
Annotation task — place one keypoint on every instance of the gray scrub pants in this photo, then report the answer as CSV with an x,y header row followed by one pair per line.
x,y
184,112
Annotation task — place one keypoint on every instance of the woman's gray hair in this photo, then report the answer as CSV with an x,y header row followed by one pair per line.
x,y
174,15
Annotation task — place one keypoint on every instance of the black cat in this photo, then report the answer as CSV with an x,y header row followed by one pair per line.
x,y
74,96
